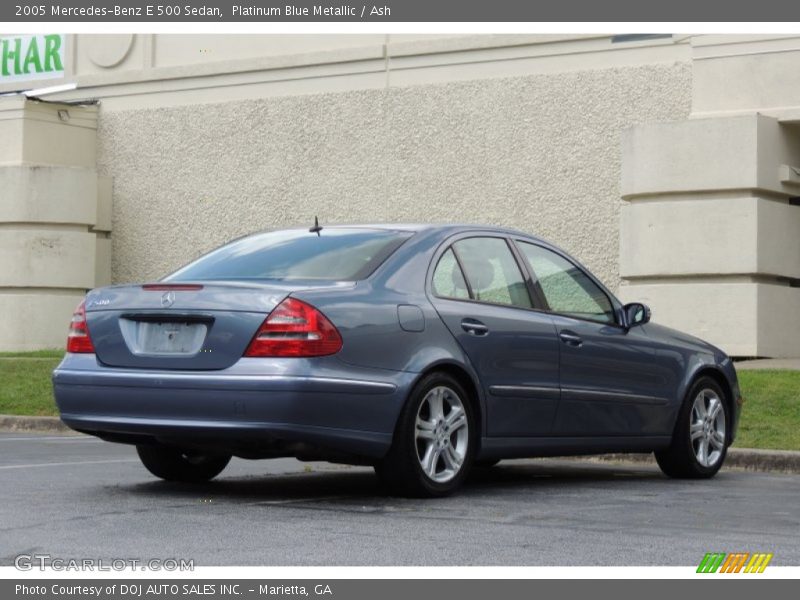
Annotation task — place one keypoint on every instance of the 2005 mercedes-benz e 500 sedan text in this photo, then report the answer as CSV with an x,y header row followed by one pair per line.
x,y
421,350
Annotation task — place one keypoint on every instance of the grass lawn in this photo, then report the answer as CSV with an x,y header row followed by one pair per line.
x,y
25,387
771,411
770,417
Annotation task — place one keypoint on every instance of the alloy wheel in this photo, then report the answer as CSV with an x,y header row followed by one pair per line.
x,y
707,427
441,434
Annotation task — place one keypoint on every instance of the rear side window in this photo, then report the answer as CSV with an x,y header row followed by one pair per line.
x,y
448,280
334,255
490,273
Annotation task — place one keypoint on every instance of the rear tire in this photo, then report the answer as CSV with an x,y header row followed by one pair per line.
x,y
434,442
701,437
172,464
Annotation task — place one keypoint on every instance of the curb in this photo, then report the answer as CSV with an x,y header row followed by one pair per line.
x,y
750,459
40,424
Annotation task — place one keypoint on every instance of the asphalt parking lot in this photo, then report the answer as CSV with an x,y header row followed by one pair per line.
x,y
77,497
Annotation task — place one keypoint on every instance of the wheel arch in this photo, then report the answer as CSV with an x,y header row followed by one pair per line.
x,y
719,377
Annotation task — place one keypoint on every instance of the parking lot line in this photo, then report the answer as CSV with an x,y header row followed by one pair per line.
x,y
61,438
67,464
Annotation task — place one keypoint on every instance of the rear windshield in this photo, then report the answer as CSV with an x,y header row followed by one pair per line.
x,y
333,255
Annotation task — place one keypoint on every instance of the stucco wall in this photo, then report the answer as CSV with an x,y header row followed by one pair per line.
x,y
541,153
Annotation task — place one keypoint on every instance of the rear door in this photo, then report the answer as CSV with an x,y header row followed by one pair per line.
x,y
481,294
610,384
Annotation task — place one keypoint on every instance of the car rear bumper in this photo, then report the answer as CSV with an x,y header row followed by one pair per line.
x,y
256,407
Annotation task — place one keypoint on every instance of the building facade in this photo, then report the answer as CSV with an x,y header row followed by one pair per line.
x,y
669,165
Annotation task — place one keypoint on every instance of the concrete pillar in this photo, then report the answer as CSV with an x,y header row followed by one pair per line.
x,y
710,232
55,220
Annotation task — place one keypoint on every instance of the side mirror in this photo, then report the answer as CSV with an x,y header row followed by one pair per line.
x,y
636,313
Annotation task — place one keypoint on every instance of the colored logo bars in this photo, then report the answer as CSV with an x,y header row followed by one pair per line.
x,y
737,562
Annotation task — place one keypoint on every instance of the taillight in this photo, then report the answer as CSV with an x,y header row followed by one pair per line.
x,y
79,340
295,328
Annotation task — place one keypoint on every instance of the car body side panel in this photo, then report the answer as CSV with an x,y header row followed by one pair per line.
x,y
682,357
367,315
517,360
523,447
610,384
373,337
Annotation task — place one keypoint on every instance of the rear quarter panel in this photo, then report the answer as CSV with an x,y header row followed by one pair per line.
x,y
367,317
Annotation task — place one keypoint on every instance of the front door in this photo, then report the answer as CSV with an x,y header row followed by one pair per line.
x,y
610,385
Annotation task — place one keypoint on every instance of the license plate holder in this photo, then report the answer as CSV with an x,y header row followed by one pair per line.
x,y
164,338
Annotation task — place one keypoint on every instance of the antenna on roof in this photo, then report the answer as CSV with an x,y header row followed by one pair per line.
x,y
316,228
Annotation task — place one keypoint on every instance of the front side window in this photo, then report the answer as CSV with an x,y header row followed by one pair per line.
x,y
491,272
567,289
336,254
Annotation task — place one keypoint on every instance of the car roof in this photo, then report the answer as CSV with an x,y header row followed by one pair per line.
x,y
443,228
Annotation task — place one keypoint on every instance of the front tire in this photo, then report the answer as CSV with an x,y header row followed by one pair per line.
x,y
172,464
700,440
434,442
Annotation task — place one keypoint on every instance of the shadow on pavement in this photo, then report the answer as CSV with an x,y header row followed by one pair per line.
x,y
361,484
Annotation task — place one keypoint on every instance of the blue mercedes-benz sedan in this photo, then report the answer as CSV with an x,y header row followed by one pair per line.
x,y
424,350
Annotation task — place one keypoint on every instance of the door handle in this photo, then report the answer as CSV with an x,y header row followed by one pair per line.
x,y
571,339
474,327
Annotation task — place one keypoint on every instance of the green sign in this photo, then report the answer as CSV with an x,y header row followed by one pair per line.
x,y
29,57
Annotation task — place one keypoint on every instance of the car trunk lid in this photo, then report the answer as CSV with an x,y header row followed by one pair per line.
x,y
188,325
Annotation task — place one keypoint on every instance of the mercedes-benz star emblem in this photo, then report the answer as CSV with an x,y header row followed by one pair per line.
x,y
168,299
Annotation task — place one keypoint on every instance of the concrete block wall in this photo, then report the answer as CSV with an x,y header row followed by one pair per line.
x,y
539,153
710,234
710,230
54,220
